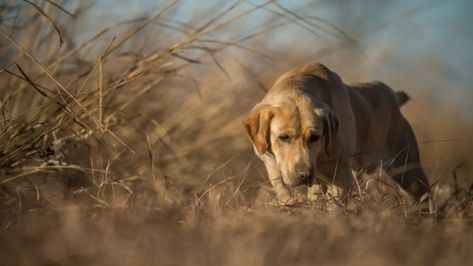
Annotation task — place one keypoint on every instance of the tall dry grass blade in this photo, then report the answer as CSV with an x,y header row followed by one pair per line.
x,y
140,27
219,65
60,86
100,85
314,25
33,84
151,157
4,120
238,188
213,187
190,60
61,8
296,20
24,79
339,33
218,16
78,48
146,63
252,75
46,71
63,107
227,44
44,14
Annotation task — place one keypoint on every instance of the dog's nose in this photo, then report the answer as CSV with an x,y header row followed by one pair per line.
x,y
304,173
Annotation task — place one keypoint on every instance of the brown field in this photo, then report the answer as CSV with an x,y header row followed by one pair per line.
x,y
123,145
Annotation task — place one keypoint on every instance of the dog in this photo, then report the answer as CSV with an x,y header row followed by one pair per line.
x,y
312,128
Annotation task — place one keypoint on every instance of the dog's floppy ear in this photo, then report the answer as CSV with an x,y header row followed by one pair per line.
x,y
256,124
330,129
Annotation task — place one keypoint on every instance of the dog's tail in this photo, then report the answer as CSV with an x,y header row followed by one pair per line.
x,y
401,97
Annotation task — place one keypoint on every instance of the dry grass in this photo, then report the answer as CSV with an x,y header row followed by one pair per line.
x,y
127,148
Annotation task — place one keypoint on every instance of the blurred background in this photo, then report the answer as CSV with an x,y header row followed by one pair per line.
x,y
108,107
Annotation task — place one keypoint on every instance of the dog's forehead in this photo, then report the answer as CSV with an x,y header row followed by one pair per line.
x,y
295,118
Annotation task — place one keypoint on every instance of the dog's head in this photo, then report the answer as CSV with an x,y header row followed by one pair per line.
x,y
293,135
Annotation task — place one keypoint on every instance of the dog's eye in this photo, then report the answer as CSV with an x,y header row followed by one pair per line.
x,y
285,138
313,138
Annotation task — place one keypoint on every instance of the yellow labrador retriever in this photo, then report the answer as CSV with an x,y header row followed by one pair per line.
x,y
312,128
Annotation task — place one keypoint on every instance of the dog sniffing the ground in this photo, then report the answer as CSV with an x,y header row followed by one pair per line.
x,y
311,128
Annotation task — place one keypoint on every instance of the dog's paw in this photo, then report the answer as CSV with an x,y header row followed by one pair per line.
x,y
285,197
315,193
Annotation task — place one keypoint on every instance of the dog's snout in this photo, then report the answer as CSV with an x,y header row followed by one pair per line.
x,y
304,173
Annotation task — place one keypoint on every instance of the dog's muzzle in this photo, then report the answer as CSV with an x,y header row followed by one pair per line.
x,y
305,176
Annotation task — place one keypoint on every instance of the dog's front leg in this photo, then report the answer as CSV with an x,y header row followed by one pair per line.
x,y
314,192
283,193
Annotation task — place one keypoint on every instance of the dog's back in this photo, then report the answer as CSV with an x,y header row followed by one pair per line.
x,y
374,107
383,134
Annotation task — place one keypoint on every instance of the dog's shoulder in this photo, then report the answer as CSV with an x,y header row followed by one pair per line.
x,y
307,75
306,71
315,69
